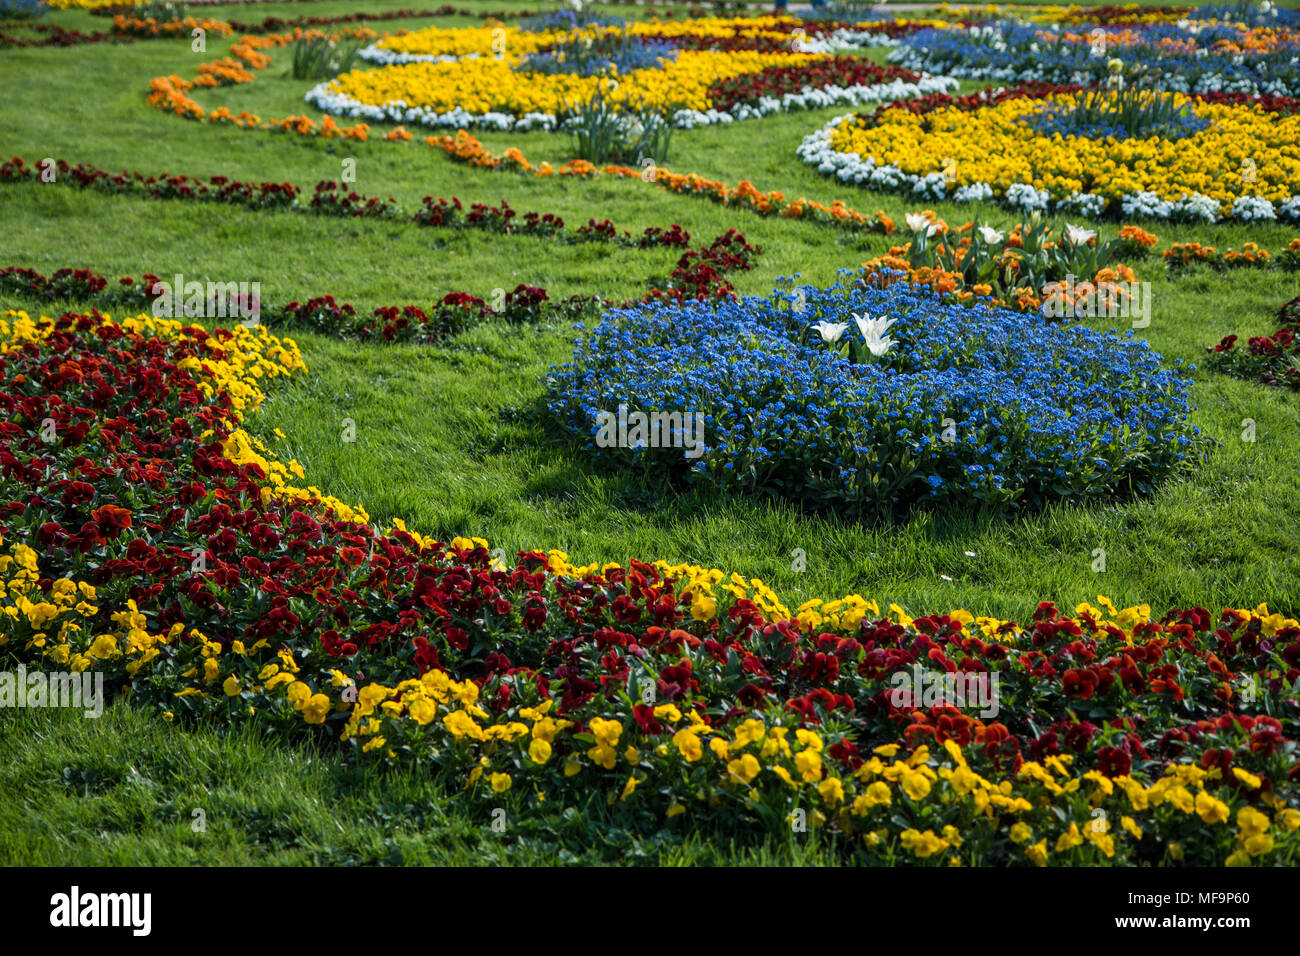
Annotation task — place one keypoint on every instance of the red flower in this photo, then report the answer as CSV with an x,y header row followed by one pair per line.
x,y
111,520
1113,762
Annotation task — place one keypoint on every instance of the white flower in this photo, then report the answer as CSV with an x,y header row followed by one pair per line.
x,y
917,222
873,332
1077,235
830,331
990,235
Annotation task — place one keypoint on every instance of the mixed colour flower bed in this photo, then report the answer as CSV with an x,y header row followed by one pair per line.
x,y
698,71
959,373
155,540
1232,159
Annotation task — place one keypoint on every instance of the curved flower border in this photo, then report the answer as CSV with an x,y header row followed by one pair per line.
x,y
816,150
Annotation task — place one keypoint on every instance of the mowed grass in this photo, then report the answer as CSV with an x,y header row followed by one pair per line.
x,y
455,440
128,789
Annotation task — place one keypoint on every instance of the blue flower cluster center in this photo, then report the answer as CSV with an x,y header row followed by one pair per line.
x,y
970,404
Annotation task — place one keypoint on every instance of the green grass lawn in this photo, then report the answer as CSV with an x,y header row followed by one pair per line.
x,y
454,439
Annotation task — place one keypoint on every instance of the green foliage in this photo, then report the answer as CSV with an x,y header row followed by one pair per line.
x,y
321,59
605,134
454,442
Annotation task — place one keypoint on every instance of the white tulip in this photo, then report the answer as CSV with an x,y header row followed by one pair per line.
x,y
990,235
917,222
873,332
830,331
1077,235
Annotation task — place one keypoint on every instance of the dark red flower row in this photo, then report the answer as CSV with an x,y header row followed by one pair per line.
x,y
453,313
330,198
776,81
51,34
1035,89
698,274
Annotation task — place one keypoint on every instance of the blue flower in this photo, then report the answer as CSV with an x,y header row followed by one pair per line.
x,y
1041,410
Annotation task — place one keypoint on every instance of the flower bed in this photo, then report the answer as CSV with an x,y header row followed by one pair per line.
x,y
987,147
1268,359
702,71
179,561
974,405
1028,267
464,148
454,312
1205,52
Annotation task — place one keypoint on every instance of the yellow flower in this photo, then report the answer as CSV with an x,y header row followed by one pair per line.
x,y
832,791
606,732
500,782
1258,844
316,709
876,794
1209,809
539,750
744,768
105,646
298,693
1037,853
922,844
604,756
915,785
785,776
462,724
1102,840
1181,798
809,765
689,745
1021,832
666,712
1251,821
422,710
628,788
1249,779
1069,839
704,608
675,810
231,686
749,731
809,739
